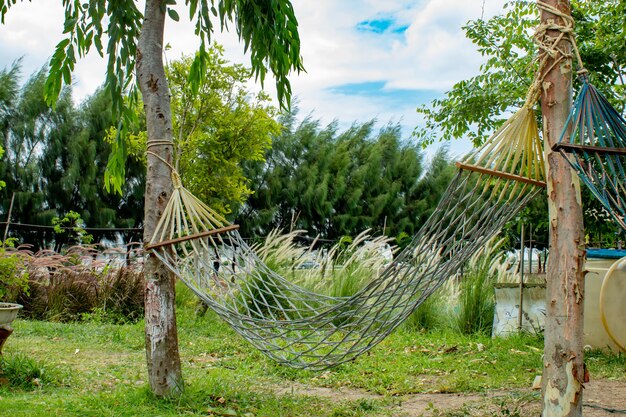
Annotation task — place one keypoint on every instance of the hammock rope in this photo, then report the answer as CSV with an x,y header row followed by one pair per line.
x,y
303,329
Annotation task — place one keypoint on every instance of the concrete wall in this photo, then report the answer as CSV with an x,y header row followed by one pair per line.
x,y
614,304
506,316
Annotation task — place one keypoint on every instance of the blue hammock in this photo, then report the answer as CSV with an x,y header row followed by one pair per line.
x,y
594,143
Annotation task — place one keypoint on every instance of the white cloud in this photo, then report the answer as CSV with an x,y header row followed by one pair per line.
x,y
432,53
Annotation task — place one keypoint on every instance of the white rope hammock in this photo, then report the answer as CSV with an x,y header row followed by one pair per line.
x,y
304,329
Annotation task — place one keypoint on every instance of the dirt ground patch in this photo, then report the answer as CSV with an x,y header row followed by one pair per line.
x,y
600,398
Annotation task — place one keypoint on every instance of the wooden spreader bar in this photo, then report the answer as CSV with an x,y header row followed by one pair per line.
x,y
192,237
500,174
569,147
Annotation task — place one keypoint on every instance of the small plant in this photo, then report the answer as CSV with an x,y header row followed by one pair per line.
x,y
476,294
505,411
20,371
13,274
74,226
403,240
2,183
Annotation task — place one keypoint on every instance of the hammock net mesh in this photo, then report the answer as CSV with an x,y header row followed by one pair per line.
x,y
298,327
594,143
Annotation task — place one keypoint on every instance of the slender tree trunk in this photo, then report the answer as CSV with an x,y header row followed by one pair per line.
x,y
162,355
563,369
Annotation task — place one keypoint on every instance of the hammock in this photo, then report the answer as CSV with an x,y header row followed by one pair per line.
x,y
302,329
594,143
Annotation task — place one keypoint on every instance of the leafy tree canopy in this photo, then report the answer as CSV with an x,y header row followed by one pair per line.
x,y
217,128
473,108
55,160
269,30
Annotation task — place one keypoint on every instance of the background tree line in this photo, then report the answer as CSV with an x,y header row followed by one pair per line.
x,y
54,160
334,183
264,170
261,169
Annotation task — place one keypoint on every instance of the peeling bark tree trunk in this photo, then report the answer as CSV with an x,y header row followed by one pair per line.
x,y
563,369
164,373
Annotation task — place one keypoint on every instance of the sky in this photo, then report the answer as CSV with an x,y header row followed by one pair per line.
x,y
364,59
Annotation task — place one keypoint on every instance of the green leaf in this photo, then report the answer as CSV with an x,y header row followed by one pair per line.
x,y
173,14
62,44
67,75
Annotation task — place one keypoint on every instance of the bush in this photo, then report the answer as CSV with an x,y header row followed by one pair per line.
x,y
13,275
115,296
75,287
121,295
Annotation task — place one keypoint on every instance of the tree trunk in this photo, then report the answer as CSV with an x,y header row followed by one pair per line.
x,y
164,373
563,369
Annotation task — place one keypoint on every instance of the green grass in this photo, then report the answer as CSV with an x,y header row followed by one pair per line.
x,y
98,369
20,371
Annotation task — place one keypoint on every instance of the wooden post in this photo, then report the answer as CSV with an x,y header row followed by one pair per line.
x,y
563,368
520,311
6,229
530,250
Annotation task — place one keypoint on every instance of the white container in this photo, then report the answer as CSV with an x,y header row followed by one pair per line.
x,y
605,306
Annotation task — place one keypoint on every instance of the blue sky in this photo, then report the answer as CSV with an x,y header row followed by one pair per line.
x,y
383,25
377,90
364,59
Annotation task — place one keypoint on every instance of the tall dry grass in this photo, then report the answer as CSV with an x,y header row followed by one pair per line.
x,y
339,270
83,282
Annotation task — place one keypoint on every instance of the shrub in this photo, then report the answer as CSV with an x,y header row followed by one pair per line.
x,y
13,275
77,286
428,315
121,295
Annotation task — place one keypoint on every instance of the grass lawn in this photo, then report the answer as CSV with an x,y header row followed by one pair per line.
x,y
98,369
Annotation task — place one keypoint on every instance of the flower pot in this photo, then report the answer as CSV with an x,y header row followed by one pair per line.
x,y
8,312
